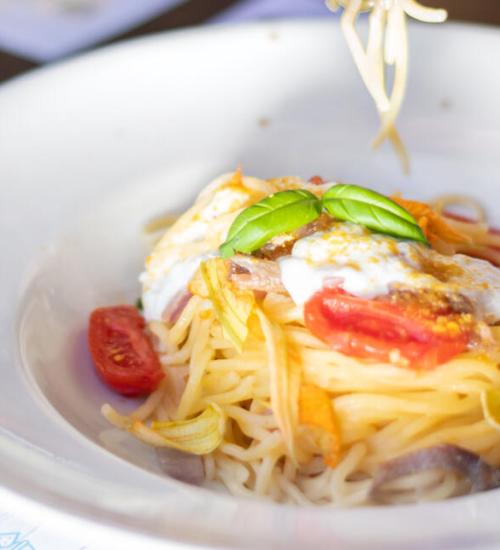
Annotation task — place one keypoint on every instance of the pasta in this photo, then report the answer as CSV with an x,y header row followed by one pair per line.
x,y
387,46
273,443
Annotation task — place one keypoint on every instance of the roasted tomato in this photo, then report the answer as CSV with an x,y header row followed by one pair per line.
x,y
123,355
386,331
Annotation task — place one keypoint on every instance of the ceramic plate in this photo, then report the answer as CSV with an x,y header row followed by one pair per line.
x,y
93,148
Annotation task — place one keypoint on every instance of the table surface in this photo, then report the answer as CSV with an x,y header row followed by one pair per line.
x,y
195,12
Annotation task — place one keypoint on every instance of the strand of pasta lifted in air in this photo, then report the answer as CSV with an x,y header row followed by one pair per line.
x,y
387,45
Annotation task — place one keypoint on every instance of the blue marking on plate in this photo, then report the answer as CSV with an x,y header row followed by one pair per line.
x,y
8,540
12,541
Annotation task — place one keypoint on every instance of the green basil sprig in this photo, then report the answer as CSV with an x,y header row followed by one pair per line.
x,y
375,211
276,214
288,210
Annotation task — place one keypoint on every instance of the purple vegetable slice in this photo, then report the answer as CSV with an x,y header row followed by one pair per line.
x,y
447,458
182,466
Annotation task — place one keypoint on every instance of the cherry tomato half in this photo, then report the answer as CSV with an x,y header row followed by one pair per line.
x,y
123,355
375,329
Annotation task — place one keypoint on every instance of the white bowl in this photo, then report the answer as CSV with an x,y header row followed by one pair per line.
x,y
93,148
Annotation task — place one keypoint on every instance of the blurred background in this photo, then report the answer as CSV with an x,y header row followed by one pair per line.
x,y
36,32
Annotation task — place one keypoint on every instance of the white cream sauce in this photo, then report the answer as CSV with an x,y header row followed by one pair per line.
x,y
158,295
369,265
480,282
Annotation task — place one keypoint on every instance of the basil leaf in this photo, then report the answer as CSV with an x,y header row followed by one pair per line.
x,y
375,218
357,193
276,214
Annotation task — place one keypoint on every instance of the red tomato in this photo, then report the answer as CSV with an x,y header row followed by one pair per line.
x,y
123,355
374,329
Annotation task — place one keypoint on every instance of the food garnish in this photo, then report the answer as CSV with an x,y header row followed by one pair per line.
x,y
432,224
231,305
275,214
199,435
121,351
385,331
316,413
378,213
288,210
